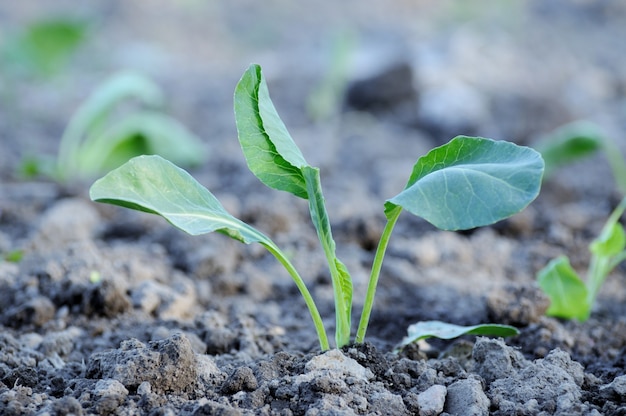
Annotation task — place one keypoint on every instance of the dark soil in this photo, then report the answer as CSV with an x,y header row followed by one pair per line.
x,y
114,312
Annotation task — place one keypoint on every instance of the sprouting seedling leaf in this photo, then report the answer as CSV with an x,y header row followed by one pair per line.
x,y
567,292
269,150
443,330
471,182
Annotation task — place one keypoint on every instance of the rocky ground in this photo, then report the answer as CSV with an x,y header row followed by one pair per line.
x,y
114,312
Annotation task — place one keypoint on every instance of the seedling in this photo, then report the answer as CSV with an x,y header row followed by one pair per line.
x,y
98,138
578,140
570,296
44,47
467,183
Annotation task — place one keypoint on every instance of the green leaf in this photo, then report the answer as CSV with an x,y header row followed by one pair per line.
x,y
90,116
610,242
471,182
569,143
567,292
270,152
612,239
155,185
14,256
138,134
45,46
443,330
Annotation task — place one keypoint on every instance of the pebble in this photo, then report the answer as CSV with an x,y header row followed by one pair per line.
x,y
432,401
467,398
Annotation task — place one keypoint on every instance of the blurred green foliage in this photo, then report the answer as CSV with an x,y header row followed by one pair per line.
x,y
43,48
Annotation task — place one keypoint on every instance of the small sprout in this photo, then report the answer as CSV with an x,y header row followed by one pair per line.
x,y
578,140
95,141
469,182
442,330
570,296
44,47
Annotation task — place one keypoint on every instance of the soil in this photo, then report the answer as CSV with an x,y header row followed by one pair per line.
x,y
114,312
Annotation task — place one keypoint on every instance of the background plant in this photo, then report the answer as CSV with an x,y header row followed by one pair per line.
x,y
578,140
99,138
572,297
467,183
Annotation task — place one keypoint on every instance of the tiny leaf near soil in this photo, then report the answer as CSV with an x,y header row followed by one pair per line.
x,y
567,292
443,330
471,182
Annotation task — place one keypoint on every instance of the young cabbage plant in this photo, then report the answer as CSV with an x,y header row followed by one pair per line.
x,y
578,140
96,141
570,296
467,183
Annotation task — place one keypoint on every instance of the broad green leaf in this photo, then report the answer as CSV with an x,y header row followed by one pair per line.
x,y
567,292
270,152
570,143
155,185
443,330
610,242
471,182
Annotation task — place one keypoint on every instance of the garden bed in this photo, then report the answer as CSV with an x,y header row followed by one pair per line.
x,y
114,312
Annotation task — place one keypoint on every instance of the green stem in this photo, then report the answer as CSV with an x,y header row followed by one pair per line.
x,y
308,299
596,275
342,284
601,266
392,218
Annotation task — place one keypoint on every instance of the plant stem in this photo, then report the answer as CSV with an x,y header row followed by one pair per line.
x,y
601,266
342,283
308,299
392,217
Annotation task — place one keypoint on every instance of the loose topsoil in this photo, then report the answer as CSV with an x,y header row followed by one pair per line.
x,y
114,312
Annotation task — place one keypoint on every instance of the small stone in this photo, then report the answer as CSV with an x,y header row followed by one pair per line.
x,y
617,386
467,398
109,394
431,401
335,362
242,379
494,359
